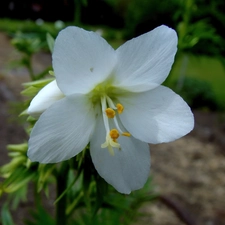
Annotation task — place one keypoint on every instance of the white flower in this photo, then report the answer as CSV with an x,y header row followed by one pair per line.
x,y
112,99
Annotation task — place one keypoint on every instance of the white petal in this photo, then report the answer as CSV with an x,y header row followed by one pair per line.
x,y
128,169
44,99
62,131
81,60
156,116
145,62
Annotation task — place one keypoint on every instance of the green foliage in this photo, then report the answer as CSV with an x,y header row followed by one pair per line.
x,y
78,8
50,41
33,87
40,217
27,43
16,173
202,68
29,27
6,218
117,209
29,38
199,35
196,32
198,94
144,15
196,22
113,3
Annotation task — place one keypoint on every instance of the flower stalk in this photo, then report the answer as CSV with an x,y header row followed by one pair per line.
x,y
61,185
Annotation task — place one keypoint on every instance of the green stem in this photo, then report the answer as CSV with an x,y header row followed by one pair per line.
x,y
61,180
30,69
183,70
37,196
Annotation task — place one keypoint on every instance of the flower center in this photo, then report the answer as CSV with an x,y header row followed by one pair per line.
x,y
109,111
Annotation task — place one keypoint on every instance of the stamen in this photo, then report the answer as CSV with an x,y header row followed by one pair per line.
x,y
105,119
120,108
110,113
126,134
110,102
117,125
114,134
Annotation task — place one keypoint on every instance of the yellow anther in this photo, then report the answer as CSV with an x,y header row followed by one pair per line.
x,y
126,134
119,108
110,113
114,134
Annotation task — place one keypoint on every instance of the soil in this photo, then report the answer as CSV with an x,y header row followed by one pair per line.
x,y
188,173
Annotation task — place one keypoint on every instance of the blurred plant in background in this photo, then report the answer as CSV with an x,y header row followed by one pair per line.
x,y
194,35
198,94
28,45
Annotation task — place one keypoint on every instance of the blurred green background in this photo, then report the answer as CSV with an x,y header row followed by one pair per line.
x,y
198,72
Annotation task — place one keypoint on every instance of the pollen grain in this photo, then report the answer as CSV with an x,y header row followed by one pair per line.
x,y
120,108
110,113
114,134
127,134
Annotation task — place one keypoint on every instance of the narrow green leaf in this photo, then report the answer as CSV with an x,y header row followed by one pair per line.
x,y
6,216
50,41
40,217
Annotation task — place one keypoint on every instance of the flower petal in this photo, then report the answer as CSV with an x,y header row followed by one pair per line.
x,y
156,116
145,62
126,170
81,60
62,131
44,99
